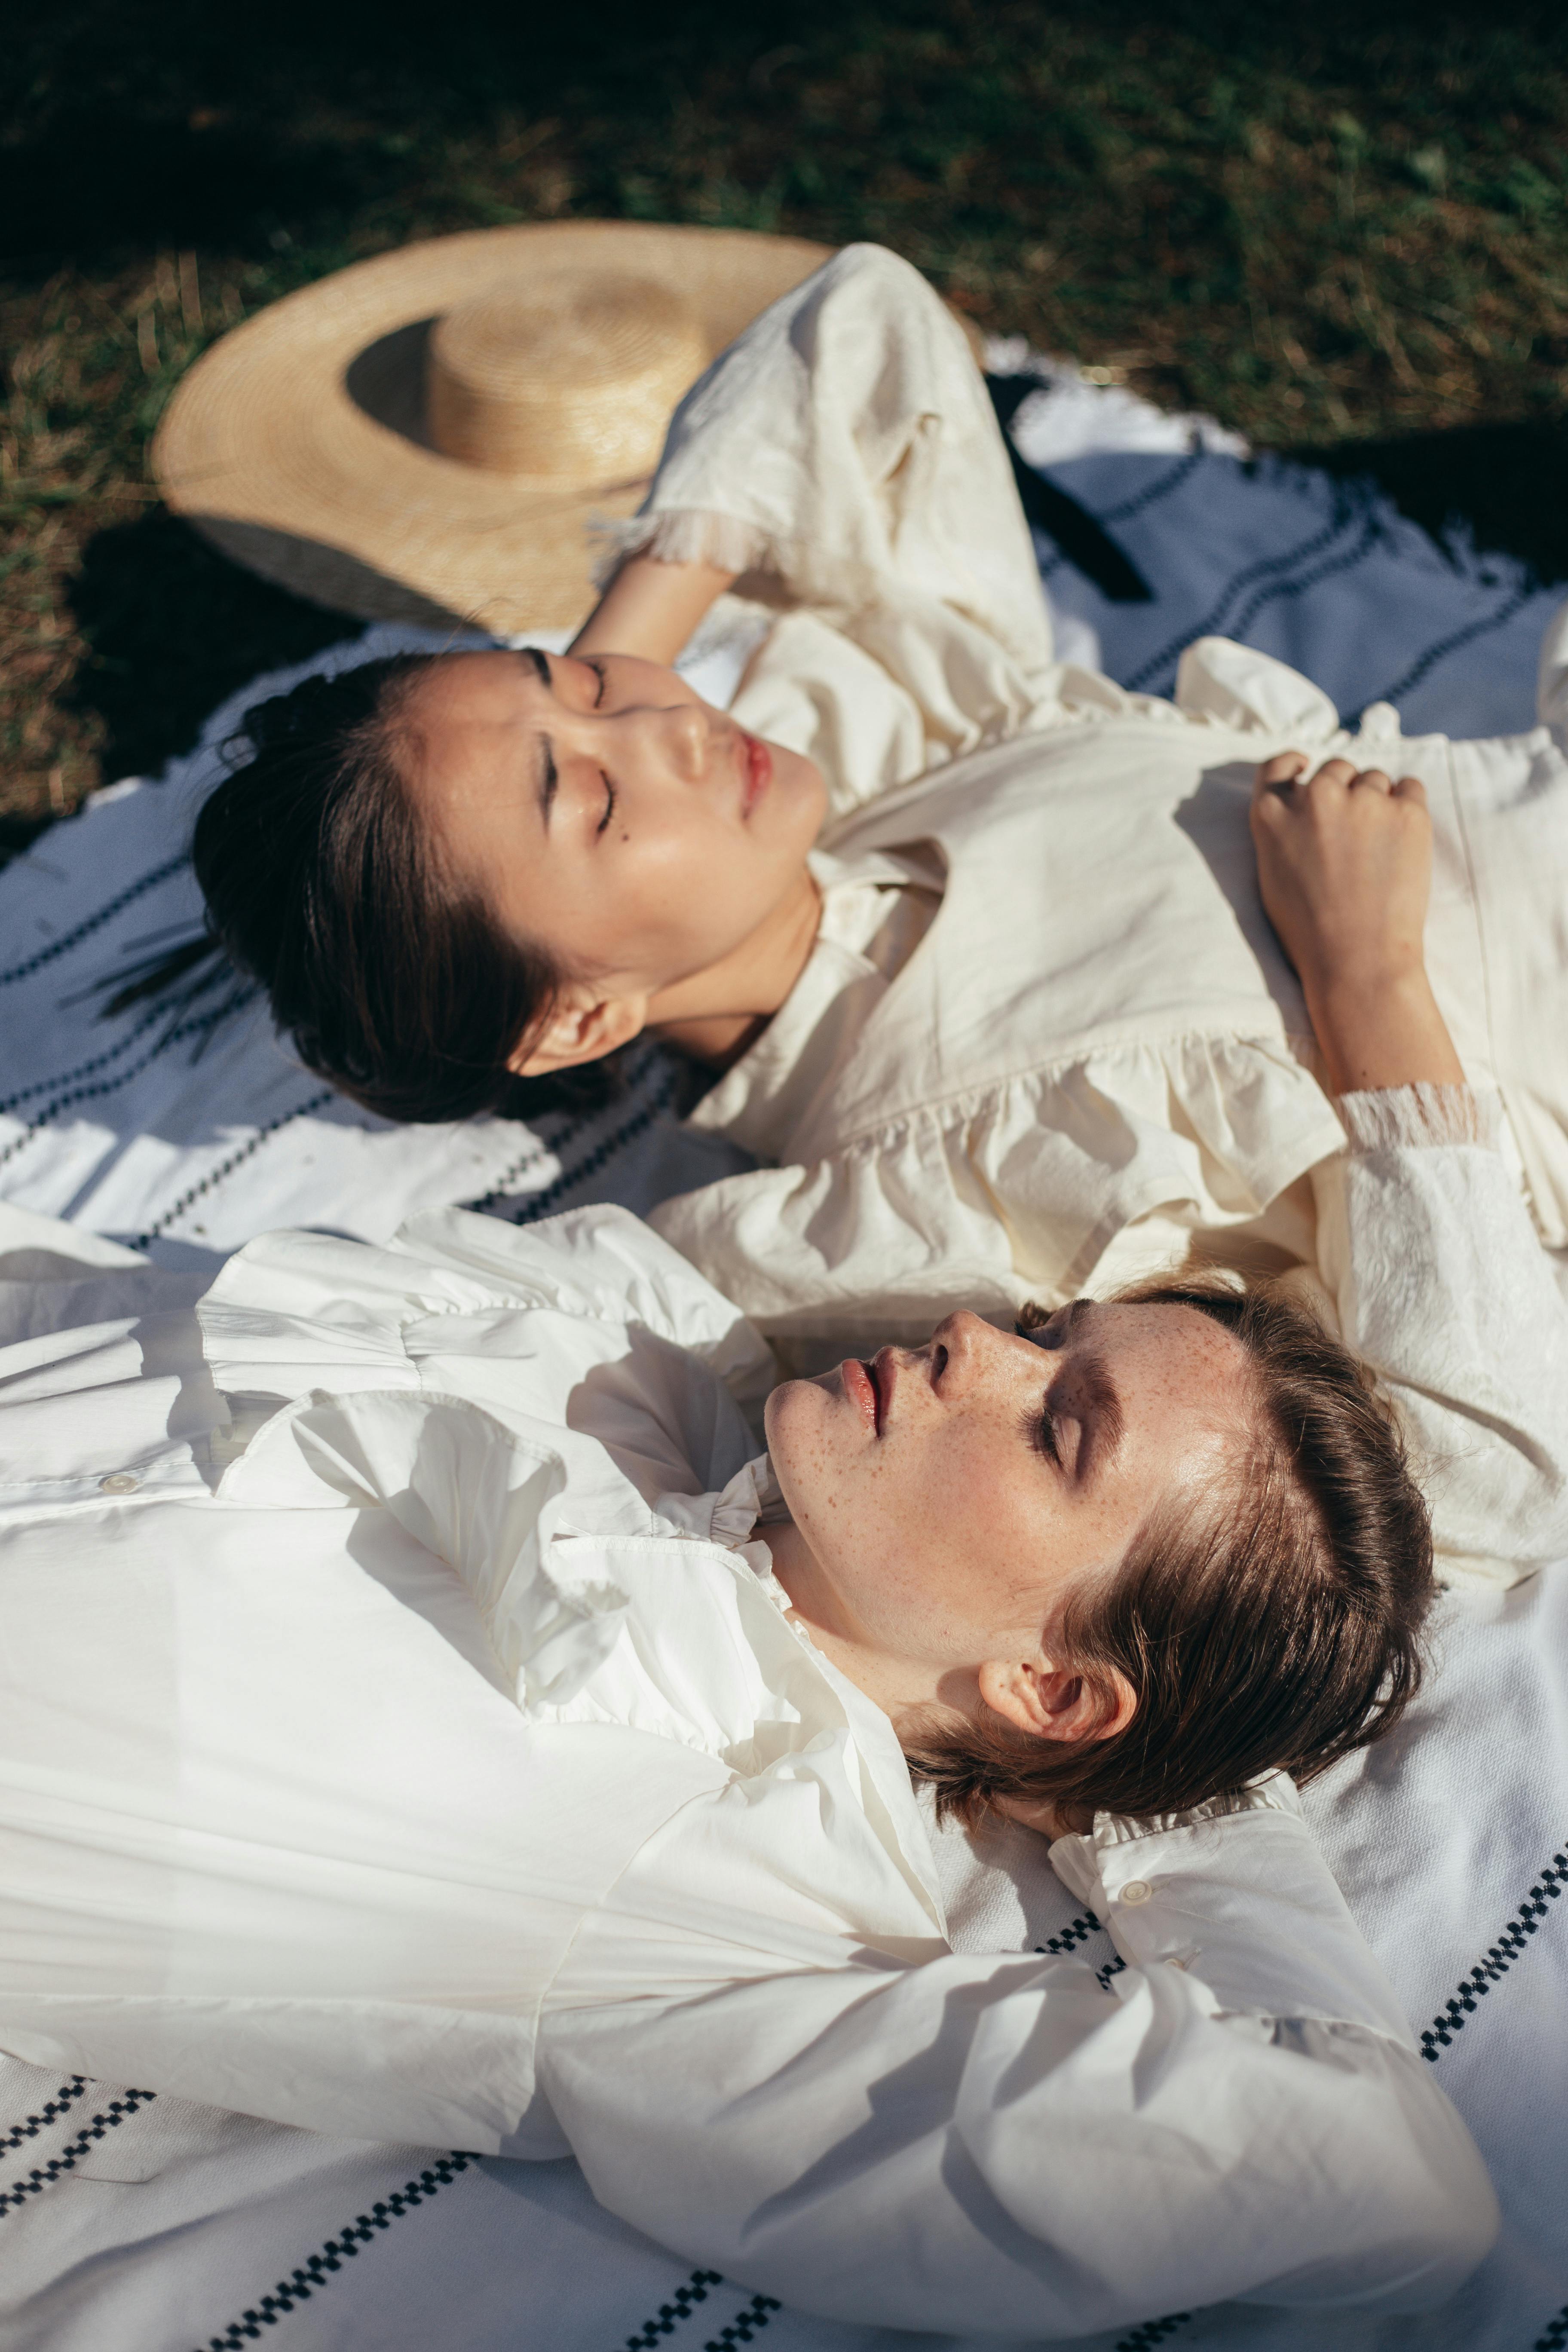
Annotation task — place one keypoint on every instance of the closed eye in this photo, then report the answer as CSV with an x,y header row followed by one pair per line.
x,y
1045,1436
609,803
599,670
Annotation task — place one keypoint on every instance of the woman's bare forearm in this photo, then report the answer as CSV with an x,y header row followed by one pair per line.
x,y
650,608
1393,1035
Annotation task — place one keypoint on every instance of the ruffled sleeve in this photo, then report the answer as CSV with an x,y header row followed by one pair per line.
x,y
517,1402
842,457
1422,1117
1441,1283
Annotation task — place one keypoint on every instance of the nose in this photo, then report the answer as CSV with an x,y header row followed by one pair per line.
x,y
684,738
957,1349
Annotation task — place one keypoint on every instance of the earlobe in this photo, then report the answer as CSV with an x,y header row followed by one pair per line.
x,y
1051,1702
580,1029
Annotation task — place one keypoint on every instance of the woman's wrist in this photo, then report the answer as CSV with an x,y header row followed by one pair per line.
x,y
650,608
1375,1032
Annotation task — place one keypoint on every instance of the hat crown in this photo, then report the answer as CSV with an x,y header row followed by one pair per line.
x,y
569,376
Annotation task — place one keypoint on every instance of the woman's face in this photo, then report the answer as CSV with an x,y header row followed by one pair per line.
x,y
949,1498
605,812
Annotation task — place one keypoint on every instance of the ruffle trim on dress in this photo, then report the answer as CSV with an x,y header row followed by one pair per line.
x,y
729,1516
1422,1117
1076,1860
689,535
1272,1792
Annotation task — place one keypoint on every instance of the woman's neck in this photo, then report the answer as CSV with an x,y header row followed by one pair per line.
x,y
717,1013
894,1684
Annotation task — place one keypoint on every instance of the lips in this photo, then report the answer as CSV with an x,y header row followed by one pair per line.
x,y
757,771
860,1388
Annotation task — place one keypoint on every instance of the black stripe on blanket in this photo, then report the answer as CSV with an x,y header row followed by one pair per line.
x,y
675,2313
96,922
199,1025
1269,579
1154,2331
543,1203
1450,645
1160,487
1500,1957
1140,503
1076,1931
51,2111
747,2323
318,2270
44,2176
209,1183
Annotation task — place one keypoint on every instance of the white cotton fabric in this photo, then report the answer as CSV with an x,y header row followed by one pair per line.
x,y
446,1769
1097,1050
1439,1283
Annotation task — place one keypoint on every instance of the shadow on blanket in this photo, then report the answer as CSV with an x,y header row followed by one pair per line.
x,y
174,628
1504,486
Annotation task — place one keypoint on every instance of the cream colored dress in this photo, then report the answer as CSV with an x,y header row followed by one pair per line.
x,y
1047,1036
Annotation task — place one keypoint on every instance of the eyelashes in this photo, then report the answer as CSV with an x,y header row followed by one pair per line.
x,y
597,668
1042,1426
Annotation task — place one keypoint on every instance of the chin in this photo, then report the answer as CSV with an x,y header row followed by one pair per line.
x,y
797,1422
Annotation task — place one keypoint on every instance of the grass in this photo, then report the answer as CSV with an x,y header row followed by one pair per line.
x,y
1342,231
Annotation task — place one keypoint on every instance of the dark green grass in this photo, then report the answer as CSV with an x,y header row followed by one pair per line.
x,y
1340,229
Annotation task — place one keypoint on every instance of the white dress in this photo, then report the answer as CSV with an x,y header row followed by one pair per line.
x,y
1046,1034
400,1734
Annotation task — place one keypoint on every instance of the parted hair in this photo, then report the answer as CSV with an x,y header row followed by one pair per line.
x,y
1272,1624
321,880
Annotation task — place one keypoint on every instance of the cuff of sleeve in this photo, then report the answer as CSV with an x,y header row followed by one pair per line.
x,y
1392,1118
1235,1894
1080,1862
688,535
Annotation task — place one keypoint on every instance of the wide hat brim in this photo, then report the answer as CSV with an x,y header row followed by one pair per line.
x,y
296,442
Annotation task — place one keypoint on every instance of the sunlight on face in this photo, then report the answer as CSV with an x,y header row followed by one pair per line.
x,y
951,1496
605,812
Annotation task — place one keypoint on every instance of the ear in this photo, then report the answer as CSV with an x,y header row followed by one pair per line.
x,y
581,1028
1051,1702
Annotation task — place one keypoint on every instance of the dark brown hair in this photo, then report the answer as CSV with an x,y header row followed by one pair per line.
x,y
319,879
1274,1625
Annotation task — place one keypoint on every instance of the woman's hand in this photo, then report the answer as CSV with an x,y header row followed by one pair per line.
x,y
650,608
1344,865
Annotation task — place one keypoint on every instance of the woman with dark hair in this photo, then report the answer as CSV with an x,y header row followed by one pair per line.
x,y
426,1717
968,941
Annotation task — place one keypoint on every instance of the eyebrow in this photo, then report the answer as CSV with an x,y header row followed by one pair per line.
x,y
1100,1392
548,778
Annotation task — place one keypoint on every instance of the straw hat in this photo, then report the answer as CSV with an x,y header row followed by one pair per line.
x,y
430,435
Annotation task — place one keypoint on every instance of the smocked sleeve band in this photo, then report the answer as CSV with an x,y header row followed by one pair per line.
x,y
1442,1285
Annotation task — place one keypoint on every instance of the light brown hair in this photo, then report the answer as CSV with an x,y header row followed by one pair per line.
x,y
1273,1625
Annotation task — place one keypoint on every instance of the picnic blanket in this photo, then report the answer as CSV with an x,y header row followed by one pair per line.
x,y
146,2224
